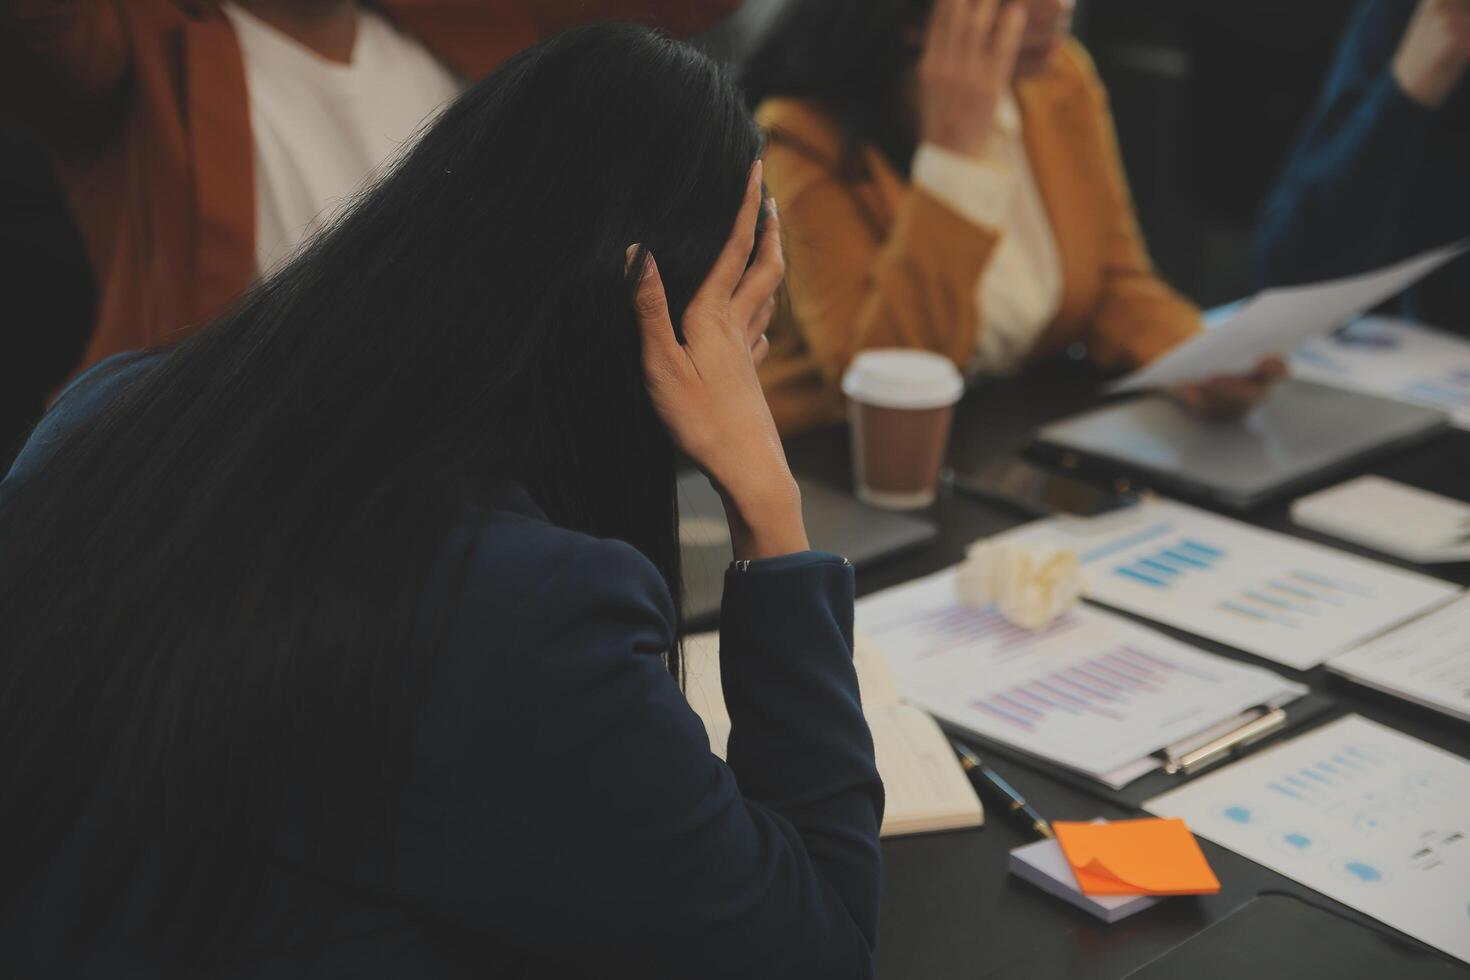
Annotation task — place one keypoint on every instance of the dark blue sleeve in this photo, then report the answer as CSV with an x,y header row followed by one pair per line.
x,y
597,830
82,398
1338,206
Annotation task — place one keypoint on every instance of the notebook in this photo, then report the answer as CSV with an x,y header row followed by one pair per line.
x,y
1390,517
925,787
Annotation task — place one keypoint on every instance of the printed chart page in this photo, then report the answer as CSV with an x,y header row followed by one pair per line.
x,y
1394,358
1426,661
1365,815
1093,692
1292,601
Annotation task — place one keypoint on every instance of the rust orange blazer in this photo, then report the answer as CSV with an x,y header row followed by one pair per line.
x,y
143,103
874,262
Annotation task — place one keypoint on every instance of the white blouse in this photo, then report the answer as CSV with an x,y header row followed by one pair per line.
x,y
322,129
1020,290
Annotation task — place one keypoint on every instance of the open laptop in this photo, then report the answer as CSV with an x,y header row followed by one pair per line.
x,y
835,522
1302,432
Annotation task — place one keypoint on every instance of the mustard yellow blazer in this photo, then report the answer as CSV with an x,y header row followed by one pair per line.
x,y
874,262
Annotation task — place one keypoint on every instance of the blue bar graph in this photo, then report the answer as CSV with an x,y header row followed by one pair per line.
x,y
1160,569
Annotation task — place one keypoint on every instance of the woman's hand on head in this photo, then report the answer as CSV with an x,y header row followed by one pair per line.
x,y
706,389
1232,395
1434,51
969,56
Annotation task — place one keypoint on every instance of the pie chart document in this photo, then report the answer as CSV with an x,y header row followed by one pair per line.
x,y
1363,814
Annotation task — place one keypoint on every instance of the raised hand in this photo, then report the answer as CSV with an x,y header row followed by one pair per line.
x,y
1434,50
968,59
706,390
1230,396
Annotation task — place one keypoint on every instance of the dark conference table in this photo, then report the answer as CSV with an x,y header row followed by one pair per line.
x,y
950,908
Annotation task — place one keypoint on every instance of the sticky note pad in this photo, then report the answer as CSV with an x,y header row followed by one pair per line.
x,y
1136,857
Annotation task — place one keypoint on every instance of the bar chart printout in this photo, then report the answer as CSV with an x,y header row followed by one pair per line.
x,y
1366,815
1093,692
1282,598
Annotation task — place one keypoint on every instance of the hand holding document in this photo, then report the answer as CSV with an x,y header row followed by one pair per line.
x,y
1277,321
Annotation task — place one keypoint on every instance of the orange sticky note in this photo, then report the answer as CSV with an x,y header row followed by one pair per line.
x,y
1136,857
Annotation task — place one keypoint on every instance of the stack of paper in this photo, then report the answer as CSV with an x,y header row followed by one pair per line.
x,y
1390,517
1426,661
1114,869
1282,598
1368,816
925,787
1044,865
1093,692
1394,358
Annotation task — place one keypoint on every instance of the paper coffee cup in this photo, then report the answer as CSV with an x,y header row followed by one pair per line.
x,y
900,404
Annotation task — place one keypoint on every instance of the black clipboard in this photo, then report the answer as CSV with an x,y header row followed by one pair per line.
x,y
1301,713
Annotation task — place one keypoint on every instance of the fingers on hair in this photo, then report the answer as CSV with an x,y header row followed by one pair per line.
x,y
730,266
1006,39
765,273
652,307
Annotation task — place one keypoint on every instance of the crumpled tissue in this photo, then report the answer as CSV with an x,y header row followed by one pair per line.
x,y
1030,587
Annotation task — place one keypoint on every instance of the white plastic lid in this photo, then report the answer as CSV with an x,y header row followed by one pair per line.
x,y
896,378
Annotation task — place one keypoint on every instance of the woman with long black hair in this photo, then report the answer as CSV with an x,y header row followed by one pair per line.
x,y
339,640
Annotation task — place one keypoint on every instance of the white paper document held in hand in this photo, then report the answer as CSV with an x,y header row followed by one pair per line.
x,y
1277,321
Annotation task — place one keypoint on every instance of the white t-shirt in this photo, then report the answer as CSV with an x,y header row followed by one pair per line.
x,y
1020,290
321,128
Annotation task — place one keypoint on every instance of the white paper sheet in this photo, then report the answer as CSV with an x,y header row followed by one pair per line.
x,y
1276,321
1044,865
1393,358
1391,517
1282,598
1366,815
1426,661
1094,692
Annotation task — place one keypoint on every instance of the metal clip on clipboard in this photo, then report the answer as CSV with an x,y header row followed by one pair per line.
x,y
1191,756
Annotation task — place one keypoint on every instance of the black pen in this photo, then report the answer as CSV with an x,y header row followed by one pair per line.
x,y
988,783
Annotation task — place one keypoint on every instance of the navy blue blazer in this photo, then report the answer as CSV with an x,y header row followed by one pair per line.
x,y
564,816
1375,177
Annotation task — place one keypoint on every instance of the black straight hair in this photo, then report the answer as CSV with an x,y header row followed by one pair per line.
x,y
213,593
851,58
